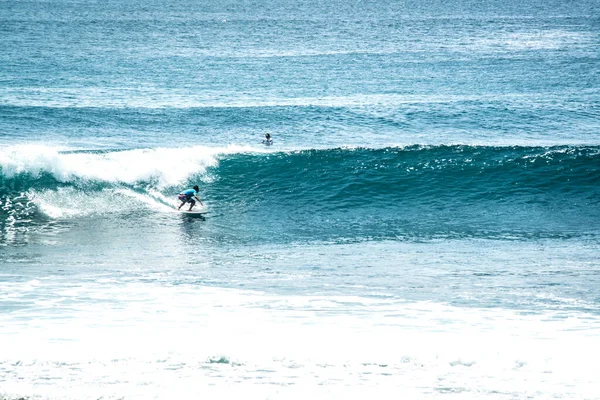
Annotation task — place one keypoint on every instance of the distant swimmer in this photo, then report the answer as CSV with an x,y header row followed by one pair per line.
x,y
268,140
188,196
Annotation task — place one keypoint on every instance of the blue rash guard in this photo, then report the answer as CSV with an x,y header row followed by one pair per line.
x,y
187,196
188,193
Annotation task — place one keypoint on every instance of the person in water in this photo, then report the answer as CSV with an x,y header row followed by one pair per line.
x,y
268,140
188,196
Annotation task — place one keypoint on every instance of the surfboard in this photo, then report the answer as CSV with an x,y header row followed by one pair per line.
x,y
193,213
268,142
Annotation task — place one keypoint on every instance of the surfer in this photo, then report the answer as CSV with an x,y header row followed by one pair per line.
x,y
188,196
268,140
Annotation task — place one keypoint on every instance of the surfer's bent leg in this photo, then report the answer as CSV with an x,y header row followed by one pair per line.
x,y
183,200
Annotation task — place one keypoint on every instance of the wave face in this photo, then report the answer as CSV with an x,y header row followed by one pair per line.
x,y
421,191
327,194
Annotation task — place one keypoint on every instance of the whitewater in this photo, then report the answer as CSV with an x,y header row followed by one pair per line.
x,y
424,226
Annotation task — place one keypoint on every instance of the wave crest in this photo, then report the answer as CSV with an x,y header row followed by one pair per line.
x,y
162,167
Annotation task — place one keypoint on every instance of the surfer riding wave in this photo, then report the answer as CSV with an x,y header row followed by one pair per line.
x,y
188,196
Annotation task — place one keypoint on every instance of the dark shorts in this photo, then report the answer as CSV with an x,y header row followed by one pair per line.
x,y
186,199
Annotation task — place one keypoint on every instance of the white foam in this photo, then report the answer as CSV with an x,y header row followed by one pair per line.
x,y
70,202
148,201
130,340
162,167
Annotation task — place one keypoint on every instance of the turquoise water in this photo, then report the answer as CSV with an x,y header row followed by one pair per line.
x,y
425,224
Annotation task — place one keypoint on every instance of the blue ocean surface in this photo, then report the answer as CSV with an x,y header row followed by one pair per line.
x,y
425,224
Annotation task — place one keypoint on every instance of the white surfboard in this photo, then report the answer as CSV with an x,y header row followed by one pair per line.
x,y
194,212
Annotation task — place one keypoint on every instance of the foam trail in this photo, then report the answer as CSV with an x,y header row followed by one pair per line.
x,y
70,202
171,202
164,205
153,204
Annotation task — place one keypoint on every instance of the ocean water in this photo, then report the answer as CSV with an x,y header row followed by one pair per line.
x,y
426,224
